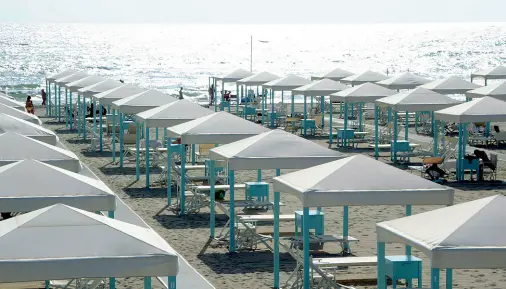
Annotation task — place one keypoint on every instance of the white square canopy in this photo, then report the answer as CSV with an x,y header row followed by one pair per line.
x,y
71,78
143,101
217,128
360,181
173,113
363,93
406,80
275,149
109,96
470,235
16,147
5,109
258,79
6,100
498,72
61,242
485,109
287,83
322,87
364,77
496,90
336,75
49,185
99,87
68,72
78,84
235,75
451,85
419,99
13,124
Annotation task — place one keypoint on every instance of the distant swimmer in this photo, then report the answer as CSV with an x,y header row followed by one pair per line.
x,y
181,93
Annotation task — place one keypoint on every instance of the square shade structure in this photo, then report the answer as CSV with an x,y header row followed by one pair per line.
x,y
419,99
451,85
71,78
143,101
406,80
235,75
105,247
485,109
498,72
363,93
99,87
9,101
275,149
336,75
287,83
68,72
217,128
110,96
360,181
470,235
496,90
78,84
258,79
173,113
13,124
8,110
364,77
49,185
16,147
322,87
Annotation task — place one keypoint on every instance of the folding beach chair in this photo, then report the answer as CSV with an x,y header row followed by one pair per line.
x,y
81,283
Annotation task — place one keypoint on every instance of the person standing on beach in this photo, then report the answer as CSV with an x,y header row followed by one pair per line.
x,y
43,94
181,93
29,105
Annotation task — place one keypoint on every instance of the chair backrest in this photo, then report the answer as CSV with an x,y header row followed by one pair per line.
x,y
318,120
500,136
494,159
205,148
132,129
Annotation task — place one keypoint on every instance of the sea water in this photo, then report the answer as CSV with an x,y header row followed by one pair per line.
x,y
167,57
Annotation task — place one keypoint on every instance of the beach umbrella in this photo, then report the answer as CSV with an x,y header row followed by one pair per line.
x,y
12,124
8,110
451,85
231,77
498,72
406,80
336,75
364,77
495,90
257,80
9,101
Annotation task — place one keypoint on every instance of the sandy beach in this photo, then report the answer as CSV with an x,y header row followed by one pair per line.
x,y
189,235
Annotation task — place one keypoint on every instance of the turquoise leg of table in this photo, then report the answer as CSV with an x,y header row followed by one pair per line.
x,y
232,211
183,180
121,133
276,240
345,227
137,147
100,129
212,195
382,280
147,156
169,168
147,282
434,276
449,279
305,236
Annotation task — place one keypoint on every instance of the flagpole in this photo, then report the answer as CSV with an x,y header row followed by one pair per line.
x,y
251,55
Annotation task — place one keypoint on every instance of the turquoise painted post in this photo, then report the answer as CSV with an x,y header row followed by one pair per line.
x,y
113,147
214,95
193,153
100,129
121,133
46,93
330,124
112,283
434,278
360,105
382,279
345,138
147,282
84,118
394,145
305,115
66,107
156,133
305,236
340,109
169,168
376,132
172,282
408,248
264,97
137,157
449,278
94,118
47,284
232,210
487,129
182,188
322,109
276,235
164,133
436,134
406,127
293,105
59,104
345,226
212,196
272,108
70,110
78,118
147,155
259,175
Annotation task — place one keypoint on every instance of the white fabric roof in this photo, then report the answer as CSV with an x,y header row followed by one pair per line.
x,y
99,87
451,85
498,72
470,235
496,90
361,181
336,75
71,78
235,75
101,247
366,93
287,83
13,124
364,77
109,96
217,128
49,185
16,147
258,79
419,99
4,99
19,114
477,110
143,101
275,149
63,74
406,80
322,87
173,113
78,84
